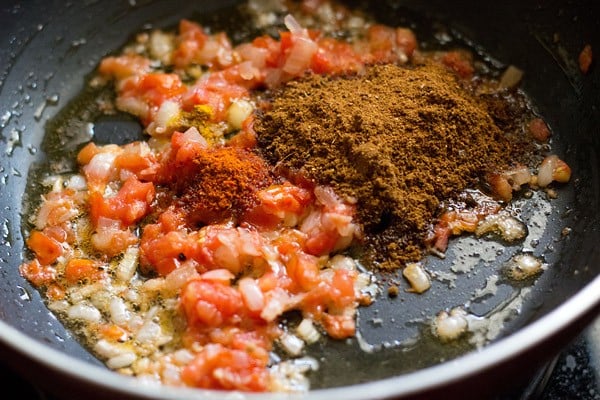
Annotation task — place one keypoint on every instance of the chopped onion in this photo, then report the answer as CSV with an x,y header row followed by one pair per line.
x,y
128,264
340,261
107,349
167,116
509,228
518,176
192,135
417,277
544,177
220,275
118,311
307,331
161,46
133,105
154,285
183,356
523,266
77,182
101,167
179,276
150,332
84,312
300,55
238,112
292,24
255,55
450,326
275,304
121,361
292,344
511,77
251,294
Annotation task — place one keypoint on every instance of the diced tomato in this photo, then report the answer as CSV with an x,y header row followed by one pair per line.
x,y
157,87
129,205
321,242
585,59
190,40
86,154
111,238
230,248
339,326
112,332
209,303
441,236
246,137
381,38
279,203
304,270
153,88
39,275
273,48
335,57
460,63
539,130
406,41
79,269
124,66
164,252
137,159
46,248
55,292
217,367
215,91
343,288
286,41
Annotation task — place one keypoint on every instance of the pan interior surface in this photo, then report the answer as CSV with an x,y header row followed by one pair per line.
x,y
46,68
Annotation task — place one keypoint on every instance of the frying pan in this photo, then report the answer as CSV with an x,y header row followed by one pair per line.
x,y
49,48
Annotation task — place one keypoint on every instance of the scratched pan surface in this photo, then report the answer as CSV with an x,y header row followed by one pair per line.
x,y
49,48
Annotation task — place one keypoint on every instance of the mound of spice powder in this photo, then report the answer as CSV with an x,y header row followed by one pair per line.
x,y
215,184
400,140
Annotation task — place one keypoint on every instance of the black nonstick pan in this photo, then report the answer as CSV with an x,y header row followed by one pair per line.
x,y
48,49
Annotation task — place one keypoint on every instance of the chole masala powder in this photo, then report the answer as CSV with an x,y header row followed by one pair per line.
x,y
399,140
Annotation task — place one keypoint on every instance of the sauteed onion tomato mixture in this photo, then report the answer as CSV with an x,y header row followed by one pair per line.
x,y
213,253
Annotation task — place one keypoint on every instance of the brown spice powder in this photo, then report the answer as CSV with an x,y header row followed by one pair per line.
x,y
398,139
